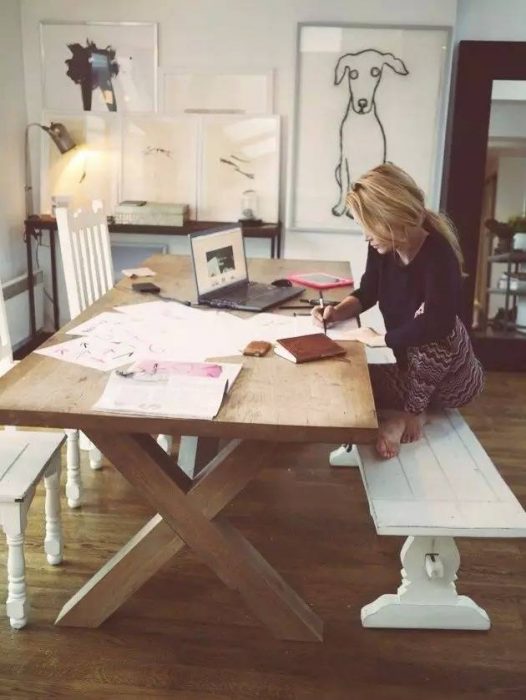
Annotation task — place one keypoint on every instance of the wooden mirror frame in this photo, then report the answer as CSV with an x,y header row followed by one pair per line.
x,y
478,64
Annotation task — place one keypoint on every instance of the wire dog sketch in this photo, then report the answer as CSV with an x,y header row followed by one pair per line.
x,y
362,138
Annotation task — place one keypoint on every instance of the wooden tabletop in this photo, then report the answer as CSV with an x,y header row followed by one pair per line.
x,y
272,399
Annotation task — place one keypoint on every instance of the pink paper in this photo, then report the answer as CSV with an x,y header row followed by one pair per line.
x,y
194,369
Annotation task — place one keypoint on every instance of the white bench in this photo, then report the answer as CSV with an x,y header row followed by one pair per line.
x,y
26,457
442,487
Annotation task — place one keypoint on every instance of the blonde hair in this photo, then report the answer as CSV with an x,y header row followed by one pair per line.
x,y
388,202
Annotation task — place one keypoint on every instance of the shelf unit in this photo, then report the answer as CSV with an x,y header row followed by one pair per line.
x,y
513,259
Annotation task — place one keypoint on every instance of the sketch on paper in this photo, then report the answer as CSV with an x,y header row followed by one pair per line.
x,y
362,138
159,159
238,151
238,164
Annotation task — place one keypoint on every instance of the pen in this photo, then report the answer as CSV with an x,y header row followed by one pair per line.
x,y
322,306
179,301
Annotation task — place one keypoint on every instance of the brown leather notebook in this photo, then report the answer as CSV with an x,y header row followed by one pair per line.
x,y
305,348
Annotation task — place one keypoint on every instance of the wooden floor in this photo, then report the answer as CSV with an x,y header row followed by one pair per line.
x,y
185,636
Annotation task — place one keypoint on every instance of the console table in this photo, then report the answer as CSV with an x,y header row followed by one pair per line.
x,y
35,225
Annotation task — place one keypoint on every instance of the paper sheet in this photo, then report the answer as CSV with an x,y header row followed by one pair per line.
x,y
343,330
270,327
139,272
176,395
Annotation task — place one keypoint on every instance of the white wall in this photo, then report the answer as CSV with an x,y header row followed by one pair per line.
x,y
12,124
491,20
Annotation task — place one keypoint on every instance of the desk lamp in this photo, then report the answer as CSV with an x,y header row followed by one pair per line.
x,y
63,141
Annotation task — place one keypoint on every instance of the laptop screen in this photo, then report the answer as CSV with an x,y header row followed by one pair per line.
x,y
219,259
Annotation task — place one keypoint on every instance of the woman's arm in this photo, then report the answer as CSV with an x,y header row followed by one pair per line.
x,y
358,301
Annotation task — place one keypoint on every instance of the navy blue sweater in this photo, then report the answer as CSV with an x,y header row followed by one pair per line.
x,y
433,277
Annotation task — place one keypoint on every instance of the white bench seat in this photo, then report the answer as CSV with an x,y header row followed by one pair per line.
x,y
26,457
442,487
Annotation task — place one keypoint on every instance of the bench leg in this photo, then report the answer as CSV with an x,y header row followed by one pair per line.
x,y
427,598
73,483
53,541
14,519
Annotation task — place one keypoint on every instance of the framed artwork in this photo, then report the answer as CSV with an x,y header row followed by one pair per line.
x,y
160,159
99,66
364,95
89,171
240,164
219,93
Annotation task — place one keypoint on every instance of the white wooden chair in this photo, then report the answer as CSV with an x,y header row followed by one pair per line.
x,y
86,257
88,273
25,457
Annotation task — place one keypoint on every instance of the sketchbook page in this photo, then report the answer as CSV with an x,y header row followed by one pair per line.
x,y
343,330
93,353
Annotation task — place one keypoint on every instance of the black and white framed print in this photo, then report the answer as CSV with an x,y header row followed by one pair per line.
x,y
364,95
99,66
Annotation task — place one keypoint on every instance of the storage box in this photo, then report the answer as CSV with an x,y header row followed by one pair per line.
x,y
139,212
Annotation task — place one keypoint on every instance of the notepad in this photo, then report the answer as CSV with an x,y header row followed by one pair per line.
x,y
168,395
306,348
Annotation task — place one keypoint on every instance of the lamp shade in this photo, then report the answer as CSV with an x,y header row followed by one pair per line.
x,y
61,136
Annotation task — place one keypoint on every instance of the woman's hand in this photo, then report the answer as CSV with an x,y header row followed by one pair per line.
x,y
327,314
369,337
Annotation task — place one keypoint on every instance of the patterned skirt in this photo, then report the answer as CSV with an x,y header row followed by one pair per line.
x,y
442,374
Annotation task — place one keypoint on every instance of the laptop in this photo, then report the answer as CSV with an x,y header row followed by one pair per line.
x,y
221,277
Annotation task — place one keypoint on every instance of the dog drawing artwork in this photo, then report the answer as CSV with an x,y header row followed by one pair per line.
x,y
362,137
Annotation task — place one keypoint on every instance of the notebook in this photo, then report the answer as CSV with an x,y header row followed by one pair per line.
x,y
221,275
305,348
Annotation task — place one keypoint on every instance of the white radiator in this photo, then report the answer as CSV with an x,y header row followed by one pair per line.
x,y
17,307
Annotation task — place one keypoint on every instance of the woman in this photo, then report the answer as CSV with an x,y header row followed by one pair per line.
x,y
414,272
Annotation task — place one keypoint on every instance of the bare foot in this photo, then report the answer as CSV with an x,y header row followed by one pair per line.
x,y
390,433
414,425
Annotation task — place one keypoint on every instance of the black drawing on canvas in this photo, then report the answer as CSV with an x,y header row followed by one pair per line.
x,y
152,150
93,69
231,161
362,138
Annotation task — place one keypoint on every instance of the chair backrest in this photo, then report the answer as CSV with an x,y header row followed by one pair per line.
x,y
6,353
86,255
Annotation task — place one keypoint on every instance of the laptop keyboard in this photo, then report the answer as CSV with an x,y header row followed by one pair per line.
x,y
253,293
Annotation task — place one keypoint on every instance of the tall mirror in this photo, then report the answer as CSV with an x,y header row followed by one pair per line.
x,y
484,192
500,282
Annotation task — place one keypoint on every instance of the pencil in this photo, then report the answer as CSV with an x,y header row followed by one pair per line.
x,y
323,320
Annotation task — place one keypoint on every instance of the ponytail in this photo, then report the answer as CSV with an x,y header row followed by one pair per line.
x,y
444,226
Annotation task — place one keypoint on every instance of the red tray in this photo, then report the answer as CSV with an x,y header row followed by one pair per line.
x,y
319,280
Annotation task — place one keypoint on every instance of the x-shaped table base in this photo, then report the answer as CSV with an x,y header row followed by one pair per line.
x,y
188,514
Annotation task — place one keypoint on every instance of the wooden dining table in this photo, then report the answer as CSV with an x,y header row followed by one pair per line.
x,y
272,402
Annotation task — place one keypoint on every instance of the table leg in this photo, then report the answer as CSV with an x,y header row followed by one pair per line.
x,y
187,511
30,282
54,285
195,453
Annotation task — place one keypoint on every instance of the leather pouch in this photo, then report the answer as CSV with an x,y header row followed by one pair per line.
x,y
257,348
